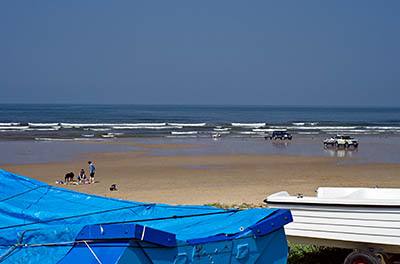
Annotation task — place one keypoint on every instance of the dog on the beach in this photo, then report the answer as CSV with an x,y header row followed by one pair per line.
x,y
69,176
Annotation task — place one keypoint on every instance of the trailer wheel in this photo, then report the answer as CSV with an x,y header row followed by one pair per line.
x,y
361,257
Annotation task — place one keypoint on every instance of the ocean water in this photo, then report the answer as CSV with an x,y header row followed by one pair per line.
x,y
101,122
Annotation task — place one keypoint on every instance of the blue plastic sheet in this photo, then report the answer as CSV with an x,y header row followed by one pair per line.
x,y
45,220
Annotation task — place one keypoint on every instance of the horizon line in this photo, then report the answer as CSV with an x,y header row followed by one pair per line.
x,y
209,105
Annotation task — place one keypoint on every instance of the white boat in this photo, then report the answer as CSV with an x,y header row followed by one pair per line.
x,y
358,218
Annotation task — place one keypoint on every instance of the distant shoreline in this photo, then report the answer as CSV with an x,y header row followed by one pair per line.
x,y
372,149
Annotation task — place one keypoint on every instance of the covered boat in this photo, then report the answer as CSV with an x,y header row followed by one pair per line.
x,y
40,223
365,219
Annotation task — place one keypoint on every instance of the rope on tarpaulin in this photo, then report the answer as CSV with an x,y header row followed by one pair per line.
x,y
18,194
98,260
70,217
121,222
14,247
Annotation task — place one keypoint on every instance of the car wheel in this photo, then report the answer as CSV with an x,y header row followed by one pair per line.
x,y
336,144
346,145
361,257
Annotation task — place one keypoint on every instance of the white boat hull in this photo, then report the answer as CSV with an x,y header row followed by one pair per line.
x,y
350,220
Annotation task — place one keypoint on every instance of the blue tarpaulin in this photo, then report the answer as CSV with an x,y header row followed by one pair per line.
x,y
39,222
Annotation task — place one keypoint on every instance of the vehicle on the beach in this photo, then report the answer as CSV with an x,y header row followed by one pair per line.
x,y
280,134
366,220
341,140
216,135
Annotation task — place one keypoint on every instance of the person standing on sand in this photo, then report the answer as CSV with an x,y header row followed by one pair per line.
x,y
91,171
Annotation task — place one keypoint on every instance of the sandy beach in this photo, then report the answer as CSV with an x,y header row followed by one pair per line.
x,y
145,176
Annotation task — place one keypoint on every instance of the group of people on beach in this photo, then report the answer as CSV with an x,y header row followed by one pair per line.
x,y
82,178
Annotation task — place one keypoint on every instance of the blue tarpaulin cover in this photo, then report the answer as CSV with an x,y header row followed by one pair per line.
x,y
43,220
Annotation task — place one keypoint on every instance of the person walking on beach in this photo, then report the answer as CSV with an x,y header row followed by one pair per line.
x,y
91,171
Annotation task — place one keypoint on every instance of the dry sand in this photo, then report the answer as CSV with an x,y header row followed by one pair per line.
x,y
203,179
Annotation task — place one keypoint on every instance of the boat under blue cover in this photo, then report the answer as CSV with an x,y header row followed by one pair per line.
x,y
40,223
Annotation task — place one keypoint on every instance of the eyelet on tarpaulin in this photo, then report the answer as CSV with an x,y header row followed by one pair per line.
x,y
181,258
242,251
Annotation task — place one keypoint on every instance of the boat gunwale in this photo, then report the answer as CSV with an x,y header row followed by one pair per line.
x,y
329,203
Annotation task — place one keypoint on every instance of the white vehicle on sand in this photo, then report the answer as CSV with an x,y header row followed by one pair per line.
x,y
340,140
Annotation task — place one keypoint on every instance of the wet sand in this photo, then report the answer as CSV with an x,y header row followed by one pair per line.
x,y
144,175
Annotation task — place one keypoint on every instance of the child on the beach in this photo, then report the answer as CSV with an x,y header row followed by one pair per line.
x,y
82,176
91,171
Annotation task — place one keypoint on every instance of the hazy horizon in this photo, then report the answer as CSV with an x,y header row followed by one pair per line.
x,y
269,53
211,105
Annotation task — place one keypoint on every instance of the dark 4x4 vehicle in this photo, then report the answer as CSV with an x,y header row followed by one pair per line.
x,y
280,135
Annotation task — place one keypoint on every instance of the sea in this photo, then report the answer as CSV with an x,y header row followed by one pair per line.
x,y
78,122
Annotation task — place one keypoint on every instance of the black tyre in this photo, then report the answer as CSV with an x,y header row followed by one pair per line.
x,y
355,145
346,145
361,257
336,144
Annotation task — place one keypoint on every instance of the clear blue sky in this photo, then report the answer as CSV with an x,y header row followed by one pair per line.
x,y
201,52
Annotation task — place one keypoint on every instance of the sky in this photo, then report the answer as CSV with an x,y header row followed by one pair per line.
x,y
259,52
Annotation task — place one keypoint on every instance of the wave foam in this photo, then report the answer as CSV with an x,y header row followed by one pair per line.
x,y
14,127
10,124
43,124
53,139
184,133
100,129
248,133
263,130
187,125
222,129
146,127
67,139
79,125
177,136
383,127
41,129
248,124
308,133
304,124
107,136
